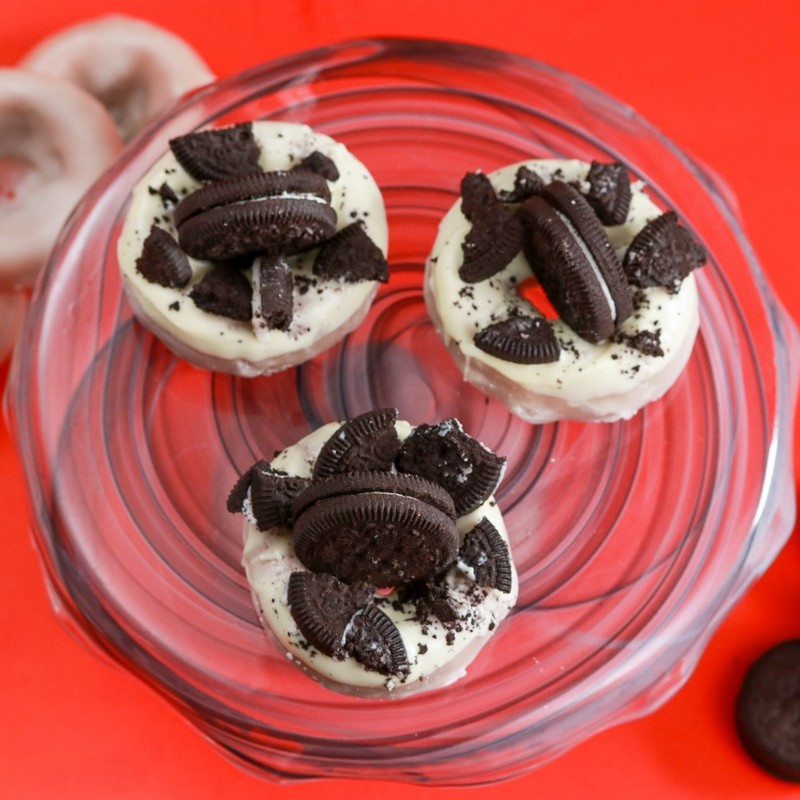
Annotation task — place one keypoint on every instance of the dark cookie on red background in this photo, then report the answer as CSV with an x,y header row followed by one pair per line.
x,y
609,192
323,608
350,255
574,261
368,441
215,154
374,641
162,261
520,339
485,552
224,291
663,253
391,482
768,710
445,454
383,539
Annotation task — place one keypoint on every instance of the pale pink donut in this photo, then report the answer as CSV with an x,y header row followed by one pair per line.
x,y
135,69
55,140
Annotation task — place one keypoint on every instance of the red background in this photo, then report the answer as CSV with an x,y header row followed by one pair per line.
x,y
721,80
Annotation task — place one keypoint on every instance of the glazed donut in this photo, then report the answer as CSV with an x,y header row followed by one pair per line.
x,y
561,289
376,554
55,140
251,248
134,68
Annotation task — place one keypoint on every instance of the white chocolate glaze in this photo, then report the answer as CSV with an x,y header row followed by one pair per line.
x,y
592,382
324,310
437,654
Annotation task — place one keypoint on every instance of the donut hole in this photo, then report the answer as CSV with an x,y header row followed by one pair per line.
x,y
124,87
28,159
531,291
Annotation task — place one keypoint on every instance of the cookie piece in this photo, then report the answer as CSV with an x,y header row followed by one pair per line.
x,y
496,234
609,192
271,497
162,261
215,154
321,164
384,539
323,608
663,253
486,554
526,184
572,257
768,710
351,256
238,493
375,641
366,442
446,454
389,482
520,339
273,299
224,291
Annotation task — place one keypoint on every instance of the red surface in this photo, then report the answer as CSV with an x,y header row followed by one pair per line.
x,y
721,81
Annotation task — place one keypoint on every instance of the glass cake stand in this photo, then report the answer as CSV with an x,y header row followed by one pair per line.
x,y
633,540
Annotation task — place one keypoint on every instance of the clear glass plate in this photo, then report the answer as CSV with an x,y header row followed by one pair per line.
x,y
632,540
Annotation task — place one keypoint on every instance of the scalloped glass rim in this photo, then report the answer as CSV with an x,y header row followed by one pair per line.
x,y
98,411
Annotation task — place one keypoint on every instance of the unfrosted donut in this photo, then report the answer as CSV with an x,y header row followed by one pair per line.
x,y
55,140
248,249
376,554
134,68
625,320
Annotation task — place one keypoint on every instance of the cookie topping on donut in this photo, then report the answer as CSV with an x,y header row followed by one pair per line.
x,y
609,192
215,154
446,454
273,300
351,256
521,339
486,554
321,164
646,342
663,253
162,261
526,184
376,642
271,496
366,442
572,257
224,291
496,234
323,608
382,538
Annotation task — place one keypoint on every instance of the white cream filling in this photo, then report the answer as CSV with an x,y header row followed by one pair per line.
x,y
605,381
438,654
321,306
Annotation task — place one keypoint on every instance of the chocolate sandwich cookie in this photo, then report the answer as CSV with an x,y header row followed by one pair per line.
x,y
271,213
609,192
485,552
768,710
573,259
379,537
162,261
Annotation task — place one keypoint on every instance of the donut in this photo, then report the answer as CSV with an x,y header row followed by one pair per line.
x,y
55,140
376,554
134,68
561,289
250,248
